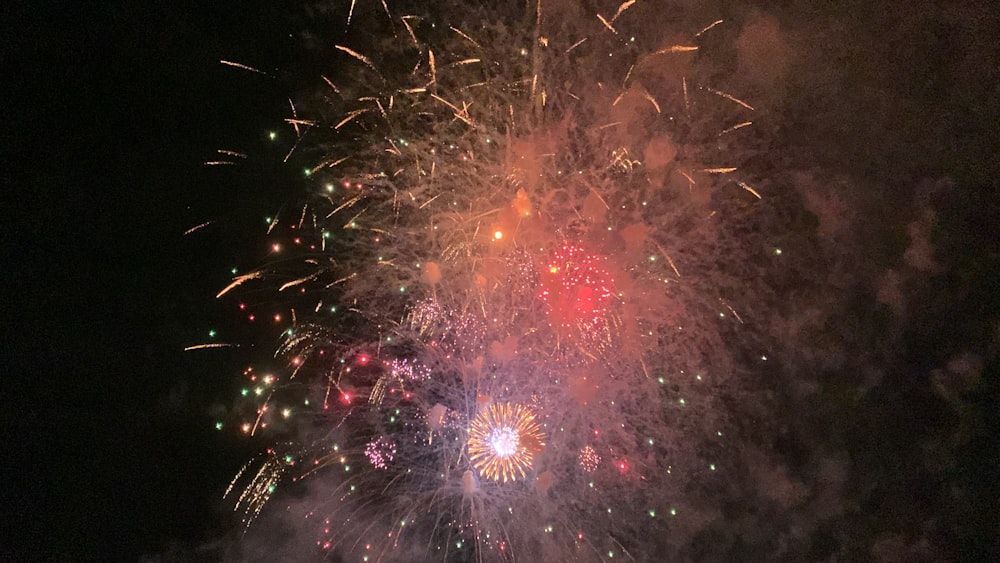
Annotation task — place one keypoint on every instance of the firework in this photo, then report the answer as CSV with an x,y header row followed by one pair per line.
x,y
504,440
576,290
588,459
380,452
480,292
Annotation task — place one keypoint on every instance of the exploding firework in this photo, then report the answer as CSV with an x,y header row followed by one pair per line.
x,y
589,459
481,293
503,441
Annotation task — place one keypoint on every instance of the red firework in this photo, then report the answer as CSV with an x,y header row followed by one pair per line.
x,y
576,289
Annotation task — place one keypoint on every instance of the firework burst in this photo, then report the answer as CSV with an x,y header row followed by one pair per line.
x,y
480,296
504,440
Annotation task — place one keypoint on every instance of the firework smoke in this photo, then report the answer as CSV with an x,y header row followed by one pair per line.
x,y
512,304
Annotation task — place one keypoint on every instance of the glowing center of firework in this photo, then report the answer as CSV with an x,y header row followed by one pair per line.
x,y
504,440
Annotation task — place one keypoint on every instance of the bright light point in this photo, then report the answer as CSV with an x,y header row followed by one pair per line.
x,y
218,426
777,251
712,466
504,442
211,334
673,512
306,172
234,271
497,235
402,289
652,514
329,187
286,413
661,380
276,247
272,135
682,402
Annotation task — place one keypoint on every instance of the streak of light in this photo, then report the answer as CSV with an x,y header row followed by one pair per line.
x,y
239,280
328,164
331,85
676,49
341,280
669,259
736,127
607,24
593,191
730,98
243,66
652,100
731,310
624,6
347,203
359,56
469,39
575,45
687,102
197,227
409,29
710,26
749,189
211,345
690,180
430,59
350,117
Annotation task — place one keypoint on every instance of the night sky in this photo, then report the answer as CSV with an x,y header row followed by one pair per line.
x,y
107,113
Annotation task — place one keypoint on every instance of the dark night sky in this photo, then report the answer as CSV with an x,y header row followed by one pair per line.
x,y
108,110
